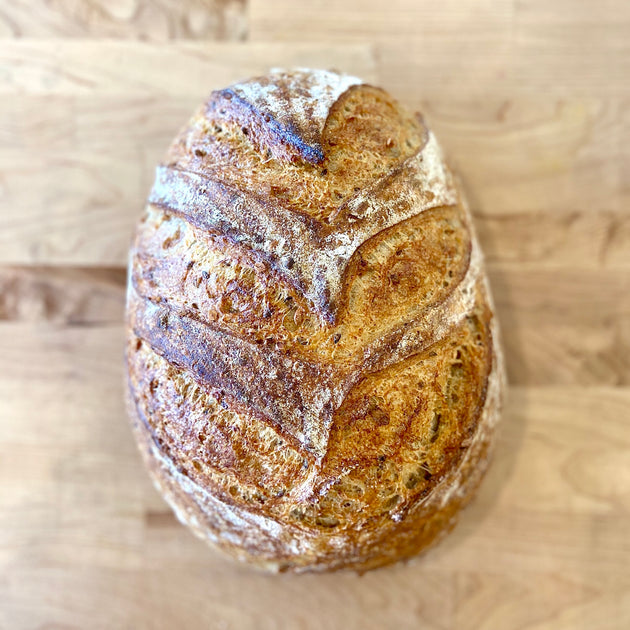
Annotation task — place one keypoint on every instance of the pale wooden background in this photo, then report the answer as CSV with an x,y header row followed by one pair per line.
x,y
531,100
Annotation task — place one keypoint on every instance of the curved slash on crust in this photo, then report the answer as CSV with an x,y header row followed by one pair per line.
x,y
311,255
210,517
285,112
439,319
245,532
489,415
299,397
256,377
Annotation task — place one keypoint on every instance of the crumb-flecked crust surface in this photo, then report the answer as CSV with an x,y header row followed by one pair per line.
x,y
314,375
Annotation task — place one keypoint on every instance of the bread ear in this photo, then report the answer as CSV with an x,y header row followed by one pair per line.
x,y
284,113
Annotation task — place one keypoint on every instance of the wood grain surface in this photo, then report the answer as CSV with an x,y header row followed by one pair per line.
x,y
531,101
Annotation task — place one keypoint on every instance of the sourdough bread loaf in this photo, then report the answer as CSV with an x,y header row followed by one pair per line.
x,y
313,369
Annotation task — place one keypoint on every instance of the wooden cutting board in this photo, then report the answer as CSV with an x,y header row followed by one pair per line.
x,y
531,101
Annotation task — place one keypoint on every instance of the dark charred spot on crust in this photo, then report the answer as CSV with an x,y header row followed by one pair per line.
x,y
163,320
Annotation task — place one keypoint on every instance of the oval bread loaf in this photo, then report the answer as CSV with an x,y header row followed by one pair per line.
x,y
313,368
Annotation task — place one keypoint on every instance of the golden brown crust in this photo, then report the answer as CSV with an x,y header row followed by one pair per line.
x,y
313,370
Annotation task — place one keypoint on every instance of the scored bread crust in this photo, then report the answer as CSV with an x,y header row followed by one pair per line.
x,y
314,374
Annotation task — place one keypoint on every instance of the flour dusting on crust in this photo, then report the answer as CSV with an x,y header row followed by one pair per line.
x,y
296,102
389,416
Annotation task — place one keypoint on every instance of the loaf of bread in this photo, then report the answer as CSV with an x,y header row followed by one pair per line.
x,y
313,368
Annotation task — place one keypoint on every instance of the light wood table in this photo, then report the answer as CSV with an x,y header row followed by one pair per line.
x,y
531,100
